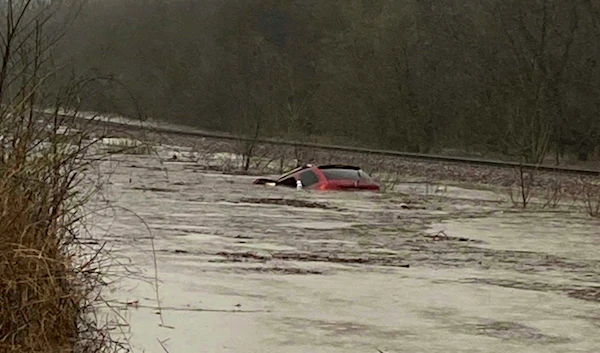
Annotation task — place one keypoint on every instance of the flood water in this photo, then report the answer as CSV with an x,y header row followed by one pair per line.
x,y
245,268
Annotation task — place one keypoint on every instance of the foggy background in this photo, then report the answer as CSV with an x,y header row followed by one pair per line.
x,y
517,79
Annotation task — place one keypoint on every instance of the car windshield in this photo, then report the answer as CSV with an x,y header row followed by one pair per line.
x,y
346,174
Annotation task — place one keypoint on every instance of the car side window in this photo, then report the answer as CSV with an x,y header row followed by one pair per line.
x,y
289,181
308,178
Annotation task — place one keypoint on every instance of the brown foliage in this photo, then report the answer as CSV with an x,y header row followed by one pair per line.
x,y
45,288
50,280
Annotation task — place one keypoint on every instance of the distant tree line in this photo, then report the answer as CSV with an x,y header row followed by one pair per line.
x,y
513,78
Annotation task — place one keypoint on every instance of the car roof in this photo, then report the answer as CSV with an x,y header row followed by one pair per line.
x,y
322,167
339,166
296,170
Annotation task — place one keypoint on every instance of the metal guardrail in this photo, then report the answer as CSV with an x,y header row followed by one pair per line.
x,y
419,156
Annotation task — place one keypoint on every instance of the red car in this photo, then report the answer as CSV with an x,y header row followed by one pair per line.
x,y
327,177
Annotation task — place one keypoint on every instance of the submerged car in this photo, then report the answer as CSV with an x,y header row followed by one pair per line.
x,y
326,177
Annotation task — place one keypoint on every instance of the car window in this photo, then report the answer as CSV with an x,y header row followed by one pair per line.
x,y
346,174
291,172
289,181
308,178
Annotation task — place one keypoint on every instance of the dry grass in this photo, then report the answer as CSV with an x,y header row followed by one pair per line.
x,y
50,275
49,278
41,295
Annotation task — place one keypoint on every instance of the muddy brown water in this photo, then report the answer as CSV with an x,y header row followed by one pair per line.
x,y
246,268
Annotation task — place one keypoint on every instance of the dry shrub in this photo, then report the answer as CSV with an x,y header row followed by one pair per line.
x,y
50,278
554,193
387,181
589,191
521,191
40,299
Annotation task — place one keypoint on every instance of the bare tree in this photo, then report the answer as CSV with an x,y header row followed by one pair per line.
x,y
515,80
